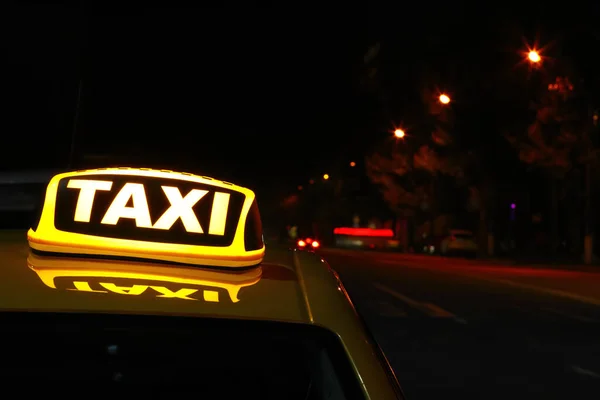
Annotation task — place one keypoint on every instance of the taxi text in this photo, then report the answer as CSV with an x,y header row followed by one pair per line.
x,y
136,290
181,207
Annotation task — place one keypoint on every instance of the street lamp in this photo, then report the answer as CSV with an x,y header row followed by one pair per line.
x,y
534,57
444,99
399,133
352,164
325,176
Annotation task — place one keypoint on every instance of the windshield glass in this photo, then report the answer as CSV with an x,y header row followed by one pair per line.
x,y
376,133
154,356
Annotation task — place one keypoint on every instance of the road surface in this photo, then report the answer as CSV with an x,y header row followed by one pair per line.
x,y
453,327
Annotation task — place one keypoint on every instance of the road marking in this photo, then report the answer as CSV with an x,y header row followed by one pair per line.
x,y
437,311
430,309
533,288
583,371
385,309
569,316
539,289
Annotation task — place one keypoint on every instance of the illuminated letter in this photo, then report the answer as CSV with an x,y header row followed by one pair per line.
x,y
181,208
211,295
85,287
85,200
180,294
218,215
118,209
135,290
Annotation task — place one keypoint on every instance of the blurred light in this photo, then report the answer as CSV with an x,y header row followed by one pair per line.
x,y
352,164
315,244
311,181
444,99
399,133
534,57
308,240
513,206
301,243
364,232
326,176
300,187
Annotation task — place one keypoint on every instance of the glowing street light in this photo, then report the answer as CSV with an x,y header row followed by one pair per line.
x,y
399,133
325,176
352,164
534,57
444,99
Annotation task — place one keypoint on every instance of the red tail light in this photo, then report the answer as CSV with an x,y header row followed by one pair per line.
x,y
309,240
315,244
301,243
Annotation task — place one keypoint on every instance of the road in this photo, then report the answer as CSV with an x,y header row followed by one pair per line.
x,y
474,329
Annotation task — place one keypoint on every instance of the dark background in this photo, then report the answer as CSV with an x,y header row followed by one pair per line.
x,y
263,97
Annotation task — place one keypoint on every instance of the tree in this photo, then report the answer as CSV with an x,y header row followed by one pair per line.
x,y
411,172
411,181
558,141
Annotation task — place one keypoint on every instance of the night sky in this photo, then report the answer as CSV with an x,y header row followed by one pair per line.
x,y
258,97
233,94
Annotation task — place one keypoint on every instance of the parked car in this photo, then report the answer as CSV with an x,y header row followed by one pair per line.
x,y
459,242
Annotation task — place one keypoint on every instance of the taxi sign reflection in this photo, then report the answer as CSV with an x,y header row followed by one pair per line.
x,y
135,279
150,214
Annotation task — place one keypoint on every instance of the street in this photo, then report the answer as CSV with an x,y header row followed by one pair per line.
x,y
454,327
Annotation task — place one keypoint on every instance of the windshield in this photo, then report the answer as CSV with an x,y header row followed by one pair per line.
x,y
153,356
392,129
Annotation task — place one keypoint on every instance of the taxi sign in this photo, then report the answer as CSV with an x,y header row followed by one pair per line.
x,y
150,214
139,279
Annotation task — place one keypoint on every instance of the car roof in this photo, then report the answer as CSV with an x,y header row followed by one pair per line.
x,y
272,291
289,286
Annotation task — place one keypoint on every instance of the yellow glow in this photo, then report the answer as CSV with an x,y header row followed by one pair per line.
x,y
534,56
399,133
48,238
444,99
195,280
326,176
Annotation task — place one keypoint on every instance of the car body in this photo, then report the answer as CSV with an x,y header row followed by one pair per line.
x,y
291,291
459,241
283,328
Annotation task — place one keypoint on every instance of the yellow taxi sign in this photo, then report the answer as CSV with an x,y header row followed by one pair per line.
x,y
150,214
